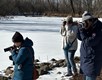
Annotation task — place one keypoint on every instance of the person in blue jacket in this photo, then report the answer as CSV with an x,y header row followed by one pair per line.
x,y
90,33
23,57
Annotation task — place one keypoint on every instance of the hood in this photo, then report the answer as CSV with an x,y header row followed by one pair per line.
x,y
27,42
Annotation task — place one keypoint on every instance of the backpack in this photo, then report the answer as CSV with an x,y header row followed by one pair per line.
x,y
35,74
35,71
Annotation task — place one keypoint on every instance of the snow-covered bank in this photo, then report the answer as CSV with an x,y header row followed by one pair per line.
x,y
53,70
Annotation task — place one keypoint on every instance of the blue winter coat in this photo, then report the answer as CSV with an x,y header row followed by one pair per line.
x,y
91,49
23,60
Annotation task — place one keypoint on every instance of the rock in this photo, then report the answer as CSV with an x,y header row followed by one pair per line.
x,y
100,77
59,73
53,59
9,71
60,63
77,59
45,67
36,60
42,72
3,78
77,77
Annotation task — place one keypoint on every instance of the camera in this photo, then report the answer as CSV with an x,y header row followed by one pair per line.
x,y
81,24
9,48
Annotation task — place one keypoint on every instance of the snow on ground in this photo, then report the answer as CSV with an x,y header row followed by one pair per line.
x,y
44,31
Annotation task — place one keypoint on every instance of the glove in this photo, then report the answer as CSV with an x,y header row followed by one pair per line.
x,y
83,33
10,57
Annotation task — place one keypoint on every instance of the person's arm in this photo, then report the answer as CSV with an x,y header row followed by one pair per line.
x,y
95,39
81,34
63,31
21,56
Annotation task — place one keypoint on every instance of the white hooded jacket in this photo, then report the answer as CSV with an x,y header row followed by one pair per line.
x,y
69,35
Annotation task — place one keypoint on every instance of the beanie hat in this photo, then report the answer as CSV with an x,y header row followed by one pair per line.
x,y
17,37
86,15
69,19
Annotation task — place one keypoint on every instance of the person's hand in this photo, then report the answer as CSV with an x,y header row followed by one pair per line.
x,y
10,57
12,49
81,25
64,23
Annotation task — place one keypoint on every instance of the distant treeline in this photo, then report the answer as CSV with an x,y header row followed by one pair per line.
x,y
50,7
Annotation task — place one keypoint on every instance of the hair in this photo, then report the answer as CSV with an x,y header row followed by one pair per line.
x,y
91,20
64,23
69,22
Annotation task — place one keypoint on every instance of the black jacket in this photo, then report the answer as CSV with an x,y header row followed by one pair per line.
x,y
91,49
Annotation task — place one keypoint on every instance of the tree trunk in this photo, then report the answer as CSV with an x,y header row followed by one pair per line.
x,y
73,13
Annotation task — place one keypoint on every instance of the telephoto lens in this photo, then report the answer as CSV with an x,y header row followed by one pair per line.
x,y
9,48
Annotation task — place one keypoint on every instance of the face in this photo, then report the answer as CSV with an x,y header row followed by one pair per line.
x,y
87,24
17,44
69,23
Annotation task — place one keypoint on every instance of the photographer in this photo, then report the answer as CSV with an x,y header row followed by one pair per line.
x,y
23,57
91,47
68,32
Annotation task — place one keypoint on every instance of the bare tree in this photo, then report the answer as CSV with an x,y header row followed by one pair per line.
x,y
5,8
73,13
97,8
70,7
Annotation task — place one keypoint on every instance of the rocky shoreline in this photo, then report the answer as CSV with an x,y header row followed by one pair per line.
x,y
45,67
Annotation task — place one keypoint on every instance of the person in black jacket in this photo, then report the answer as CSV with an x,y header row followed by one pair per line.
x,y
90,33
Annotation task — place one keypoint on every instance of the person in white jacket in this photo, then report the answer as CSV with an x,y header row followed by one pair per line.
x,y
68,32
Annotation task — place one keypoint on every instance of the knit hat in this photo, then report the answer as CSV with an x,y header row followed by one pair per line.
x,y
69,19
86,15
17,37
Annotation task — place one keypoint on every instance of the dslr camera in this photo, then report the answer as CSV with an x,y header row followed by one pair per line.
x,y
81,24
9,48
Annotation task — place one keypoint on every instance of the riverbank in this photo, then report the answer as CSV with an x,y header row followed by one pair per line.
x,y
52,70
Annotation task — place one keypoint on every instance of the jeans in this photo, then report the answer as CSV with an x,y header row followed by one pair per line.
x,y
69,56
89,78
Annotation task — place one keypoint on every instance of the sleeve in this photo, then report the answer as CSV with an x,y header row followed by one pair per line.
x,y
95,39
79,34
91,39
63,31
20,57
